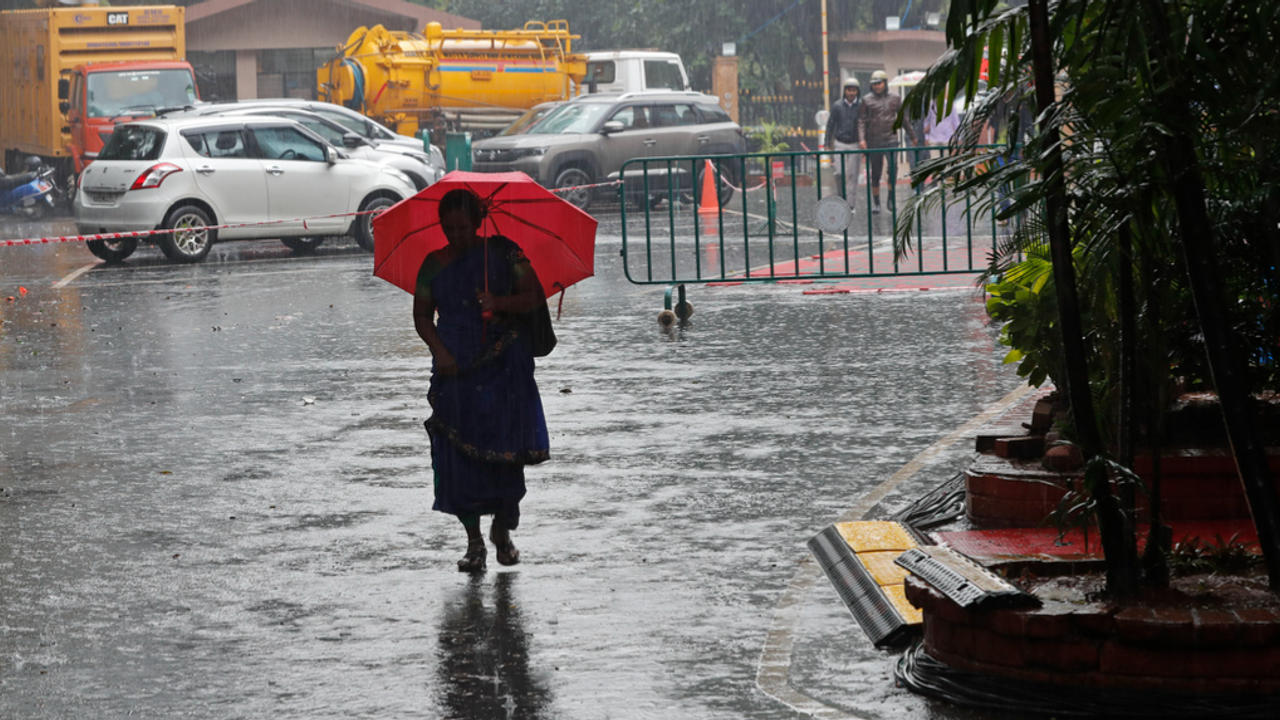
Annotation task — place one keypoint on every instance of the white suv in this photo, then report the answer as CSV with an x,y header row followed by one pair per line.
x,y
265,177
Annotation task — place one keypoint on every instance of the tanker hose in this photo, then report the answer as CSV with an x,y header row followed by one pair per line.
x,y
356,102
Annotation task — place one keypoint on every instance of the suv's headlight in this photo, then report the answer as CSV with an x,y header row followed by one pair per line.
x,y
517,153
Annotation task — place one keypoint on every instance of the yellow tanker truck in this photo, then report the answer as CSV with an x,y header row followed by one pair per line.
x,y
452,79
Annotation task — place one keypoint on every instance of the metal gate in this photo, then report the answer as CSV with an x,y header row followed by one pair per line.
x,y
771,217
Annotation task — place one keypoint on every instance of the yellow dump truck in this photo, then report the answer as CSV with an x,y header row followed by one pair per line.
x,y
452,79
71,74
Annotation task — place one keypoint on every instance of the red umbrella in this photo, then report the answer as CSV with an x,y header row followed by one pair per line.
x,y
557,237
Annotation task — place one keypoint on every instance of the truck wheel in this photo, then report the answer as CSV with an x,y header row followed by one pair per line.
x,y
363,230
573,177
303,245
185,244
112,251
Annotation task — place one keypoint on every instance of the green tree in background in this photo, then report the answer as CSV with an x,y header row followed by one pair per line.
x,y
779,41
1150,141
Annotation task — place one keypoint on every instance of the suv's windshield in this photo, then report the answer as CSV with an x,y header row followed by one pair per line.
x,y
139,92
526,121
133,142
571,118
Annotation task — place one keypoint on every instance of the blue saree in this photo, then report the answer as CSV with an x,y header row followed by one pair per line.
x,y
487,421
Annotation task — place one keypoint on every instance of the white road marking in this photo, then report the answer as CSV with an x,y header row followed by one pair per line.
x,y
71,276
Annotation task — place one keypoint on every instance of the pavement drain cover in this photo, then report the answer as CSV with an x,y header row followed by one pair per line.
x,y
965,582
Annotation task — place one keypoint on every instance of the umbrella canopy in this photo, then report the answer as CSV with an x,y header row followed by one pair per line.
x,y
558,238
910,79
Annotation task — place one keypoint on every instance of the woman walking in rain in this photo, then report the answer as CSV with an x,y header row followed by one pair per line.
x,y
487,420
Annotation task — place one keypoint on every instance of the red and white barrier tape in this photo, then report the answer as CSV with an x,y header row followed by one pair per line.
x,y
145,233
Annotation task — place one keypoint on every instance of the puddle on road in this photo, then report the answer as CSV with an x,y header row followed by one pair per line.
x,y
180,534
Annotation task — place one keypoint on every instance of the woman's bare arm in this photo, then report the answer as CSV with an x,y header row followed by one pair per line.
x,y
424,311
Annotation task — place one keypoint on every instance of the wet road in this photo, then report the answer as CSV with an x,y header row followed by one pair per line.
x,y
215,495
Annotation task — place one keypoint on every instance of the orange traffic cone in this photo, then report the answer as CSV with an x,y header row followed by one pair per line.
x,y
710,203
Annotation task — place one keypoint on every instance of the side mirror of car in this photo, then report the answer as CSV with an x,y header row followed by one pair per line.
x,y
352,140
612,126
330,155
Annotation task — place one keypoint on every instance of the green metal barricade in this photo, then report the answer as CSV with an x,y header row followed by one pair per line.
x,y
771,217
457,151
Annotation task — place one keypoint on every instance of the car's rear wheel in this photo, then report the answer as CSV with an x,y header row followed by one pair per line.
x,y
112,251
303,245
575,177
372,207
191,239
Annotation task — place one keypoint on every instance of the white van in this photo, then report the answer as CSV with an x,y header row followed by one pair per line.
x,y
634,71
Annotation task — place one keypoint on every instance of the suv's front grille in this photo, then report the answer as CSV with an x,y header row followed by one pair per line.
x,y
496,155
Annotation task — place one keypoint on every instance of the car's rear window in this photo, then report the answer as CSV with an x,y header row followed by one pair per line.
x,y
713,113
223,143
133,142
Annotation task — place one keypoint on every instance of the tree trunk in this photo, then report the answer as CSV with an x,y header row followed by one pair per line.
x,y
1120,551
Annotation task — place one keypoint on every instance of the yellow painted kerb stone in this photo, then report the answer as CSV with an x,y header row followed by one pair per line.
x,y
874,535
880,564
897,595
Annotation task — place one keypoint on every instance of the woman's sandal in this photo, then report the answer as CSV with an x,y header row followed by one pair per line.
x,y
474,561
507,552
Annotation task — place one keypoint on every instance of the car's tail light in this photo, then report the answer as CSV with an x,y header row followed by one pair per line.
x,y
154,175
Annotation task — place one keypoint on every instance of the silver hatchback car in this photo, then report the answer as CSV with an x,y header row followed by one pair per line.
x,y
222,178
588,140
418,164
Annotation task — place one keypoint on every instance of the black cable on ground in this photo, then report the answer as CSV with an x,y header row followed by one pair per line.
x,y
940,505
924,675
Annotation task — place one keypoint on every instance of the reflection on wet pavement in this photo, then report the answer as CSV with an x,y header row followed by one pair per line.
x,y
484,668
183,533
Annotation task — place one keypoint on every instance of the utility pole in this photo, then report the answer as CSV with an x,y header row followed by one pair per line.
x,y
826,64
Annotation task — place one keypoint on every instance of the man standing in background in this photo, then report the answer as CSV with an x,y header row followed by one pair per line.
x,y
842,134
879,112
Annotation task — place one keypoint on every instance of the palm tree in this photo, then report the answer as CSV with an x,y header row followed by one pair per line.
x,y
1157,180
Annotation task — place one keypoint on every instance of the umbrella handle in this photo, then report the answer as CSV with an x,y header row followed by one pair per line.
x,y
484,246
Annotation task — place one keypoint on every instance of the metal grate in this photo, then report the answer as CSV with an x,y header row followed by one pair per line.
x,y
963,581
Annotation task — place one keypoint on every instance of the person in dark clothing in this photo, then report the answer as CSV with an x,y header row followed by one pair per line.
x,y
486,419
879,113
843,133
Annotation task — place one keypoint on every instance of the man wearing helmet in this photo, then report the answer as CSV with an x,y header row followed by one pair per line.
x,y
879,113
842,134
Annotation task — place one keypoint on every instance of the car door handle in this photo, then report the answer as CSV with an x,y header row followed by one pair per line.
x,y
650,142
703,138
275,170
205,170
